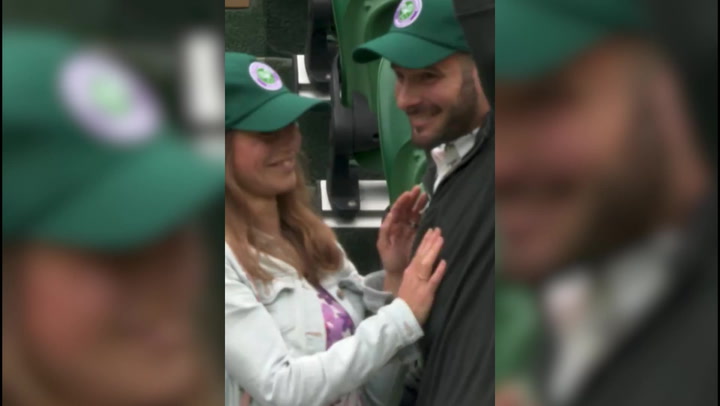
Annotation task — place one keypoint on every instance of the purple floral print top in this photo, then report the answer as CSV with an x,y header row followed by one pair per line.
x,y
338,323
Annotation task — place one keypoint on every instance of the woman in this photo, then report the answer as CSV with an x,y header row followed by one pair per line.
x,y
299,328
104,268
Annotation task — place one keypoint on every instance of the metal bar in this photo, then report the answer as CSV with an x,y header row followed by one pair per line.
x,y
373,203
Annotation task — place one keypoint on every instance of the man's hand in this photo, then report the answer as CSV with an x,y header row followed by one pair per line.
x,y
397,232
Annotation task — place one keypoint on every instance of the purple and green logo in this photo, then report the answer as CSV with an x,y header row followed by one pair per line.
x,y
407,12
107,100
265,76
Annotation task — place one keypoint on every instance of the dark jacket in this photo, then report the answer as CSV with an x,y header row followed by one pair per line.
x,y
459,343
671,359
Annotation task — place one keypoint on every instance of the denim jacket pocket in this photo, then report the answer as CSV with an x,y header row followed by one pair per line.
x,y
352,294
279,299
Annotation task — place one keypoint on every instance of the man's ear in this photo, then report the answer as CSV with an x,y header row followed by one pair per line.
x,y
469,65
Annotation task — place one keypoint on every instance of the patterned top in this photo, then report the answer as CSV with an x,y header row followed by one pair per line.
x,y
338,323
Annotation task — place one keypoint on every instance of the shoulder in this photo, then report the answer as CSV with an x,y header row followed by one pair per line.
x,y
233,269
347,271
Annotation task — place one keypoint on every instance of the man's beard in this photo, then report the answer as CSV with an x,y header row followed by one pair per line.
x,y
629,202
461,117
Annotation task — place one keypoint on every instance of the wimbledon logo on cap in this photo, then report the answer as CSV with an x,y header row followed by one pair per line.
x,y
265,76
110,95
407,12
108,100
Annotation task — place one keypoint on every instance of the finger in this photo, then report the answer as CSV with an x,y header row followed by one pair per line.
x,y
439,273
423,245
420,204
432,254
405,203
432,250
399,208
394,232
408,233
384,233
415,192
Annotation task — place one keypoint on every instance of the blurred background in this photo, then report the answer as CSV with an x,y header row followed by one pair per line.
x,y
281,32
155,331
177,48
606,189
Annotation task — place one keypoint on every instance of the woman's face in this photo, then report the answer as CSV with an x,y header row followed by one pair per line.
x,y
107,329
264,164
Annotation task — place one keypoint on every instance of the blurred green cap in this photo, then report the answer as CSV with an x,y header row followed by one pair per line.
x,y
256,98
88,160
536,37
423,33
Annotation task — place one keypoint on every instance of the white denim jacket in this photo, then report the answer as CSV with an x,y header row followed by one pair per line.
x,y
275,339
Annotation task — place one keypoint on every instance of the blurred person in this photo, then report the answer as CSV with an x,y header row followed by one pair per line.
x,y
607,205
451,119
302,327
103,263
477,18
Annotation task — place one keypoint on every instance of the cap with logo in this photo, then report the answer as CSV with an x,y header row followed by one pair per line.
x,y
535,37
256,98
88,160
423,33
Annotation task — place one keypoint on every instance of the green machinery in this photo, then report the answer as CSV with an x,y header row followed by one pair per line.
x,y
367,128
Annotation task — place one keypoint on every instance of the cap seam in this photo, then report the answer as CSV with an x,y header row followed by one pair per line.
x,y
434,42
247,114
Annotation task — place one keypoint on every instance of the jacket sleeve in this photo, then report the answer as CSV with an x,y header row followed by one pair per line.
x,y
257,358
385,388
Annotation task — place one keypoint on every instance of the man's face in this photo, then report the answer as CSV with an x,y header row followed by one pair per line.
x,y
578,158
110,329
443,101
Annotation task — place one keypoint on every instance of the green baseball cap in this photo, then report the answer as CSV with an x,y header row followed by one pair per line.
x,y
88,162
535,37
423,33
256,98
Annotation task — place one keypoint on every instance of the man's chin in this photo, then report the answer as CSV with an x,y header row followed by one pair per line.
x,y
531,266
424,139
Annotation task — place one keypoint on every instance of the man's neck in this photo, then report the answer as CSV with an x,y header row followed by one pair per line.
x,y
688,190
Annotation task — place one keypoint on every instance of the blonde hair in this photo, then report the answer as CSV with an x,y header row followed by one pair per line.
x,y
313,242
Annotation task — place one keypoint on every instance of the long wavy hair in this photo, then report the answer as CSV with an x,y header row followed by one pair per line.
x,y
314,244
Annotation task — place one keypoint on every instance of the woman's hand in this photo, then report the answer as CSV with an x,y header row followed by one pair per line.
x,y
419,282
397,232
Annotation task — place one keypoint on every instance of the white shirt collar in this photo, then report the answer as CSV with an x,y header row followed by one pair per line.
x,y
462,145
465,143
448,155
590,312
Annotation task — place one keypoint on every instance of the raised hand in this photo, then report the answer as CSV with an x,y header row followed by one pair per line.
x,y
397,231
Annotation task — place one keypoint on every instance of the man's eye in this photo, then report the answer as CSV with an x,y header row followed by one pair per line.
x,y
428,76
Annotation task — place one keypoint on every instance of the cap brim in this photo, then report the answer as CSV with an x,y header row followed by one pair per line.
x,y
404,50
533,39
279,112
139,201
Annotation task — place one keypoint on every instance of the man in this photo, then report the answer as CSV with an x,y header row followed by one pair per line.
x,y
606,202
103,267
439,90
